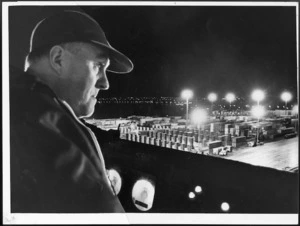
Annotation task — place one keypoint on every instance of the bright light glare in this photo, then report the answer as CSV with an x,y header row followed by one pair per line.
x,y
198,189
286,96
212,97
115,179
198,115
258,95
143,192
230,97
225,206
258,111
186,94
192,195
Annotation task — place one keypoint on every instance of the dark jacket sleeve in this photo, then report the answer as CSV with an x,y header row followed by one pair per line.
x,y
55,167
104,135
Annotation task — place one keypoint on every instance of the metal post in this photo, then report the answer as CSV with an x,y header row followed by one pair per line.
x,y
285,112
187,111
257,131
257,126
199,135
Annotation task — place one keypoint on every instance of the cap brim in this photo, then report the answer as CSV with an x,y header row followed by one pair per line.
x,y
119,63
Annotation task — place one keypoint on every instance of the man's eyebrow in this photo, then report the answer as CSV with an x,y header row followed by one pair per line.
x,y
104,60
102,56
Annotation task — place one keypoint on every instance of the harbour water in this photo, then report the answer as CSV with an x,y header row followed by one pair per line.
x,y
103,111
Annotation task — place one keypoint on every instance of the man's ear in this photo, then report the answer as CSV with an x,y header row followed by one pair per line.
x,y
56,57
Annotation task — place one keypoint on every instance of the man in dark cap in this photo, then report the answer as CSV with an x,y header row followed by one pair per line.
x,y
56,162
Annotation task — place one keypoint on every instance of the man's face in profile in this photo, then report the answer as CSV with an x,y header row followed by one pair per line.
x,y
85,73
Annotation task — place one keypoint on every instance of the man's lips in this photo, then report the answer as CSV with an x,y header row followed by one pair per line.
x,y
95,95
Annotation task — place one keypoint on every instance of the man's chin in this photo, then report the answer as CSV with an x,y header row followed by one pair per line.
x,y
86,114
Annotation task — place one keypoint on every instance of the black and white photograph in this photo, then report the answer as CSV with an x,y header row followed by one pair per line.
x,y
150,112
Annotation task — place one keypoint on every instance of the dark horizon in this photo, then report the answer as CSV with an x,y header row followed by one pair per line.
x,y
204,48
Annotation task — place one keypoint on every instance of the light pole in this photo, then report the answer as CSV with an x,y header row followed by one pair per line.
x,y
198,116
295,112
258,111
187,94
258,95
212,97
286,96
230,97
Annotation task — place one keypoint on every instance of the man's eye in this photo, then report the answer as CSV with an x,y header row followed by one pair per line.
x,y
99,65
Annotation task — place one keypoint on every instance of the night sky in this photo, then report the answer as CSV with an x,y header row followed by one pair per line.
x,y
205,48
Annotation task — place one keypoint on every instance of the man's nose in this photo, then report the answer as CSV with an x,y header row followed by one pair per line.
x,y
102,82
